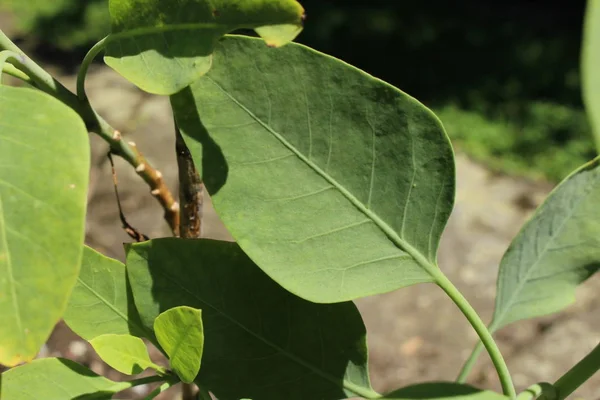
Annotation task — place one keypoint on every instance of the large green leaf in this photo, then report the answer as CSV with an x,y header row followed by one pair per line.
x,y
56,379
101,301
179,331
163,46
335,183
261,341
555,251
125,353
590,71
443,391
44,167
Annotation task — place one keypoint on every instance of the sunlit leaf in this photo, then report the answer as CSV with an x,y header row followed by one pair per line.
x,y
100,303
179,331
44,167
335,183
56,379
125,353
163,46
261,341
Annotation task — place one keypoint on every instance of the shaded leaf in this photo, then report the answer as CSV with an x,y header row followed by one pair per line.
x,y
335,183
179,331
262,342
163,46
557,249
125,353
44,167
56,379
441,391
590,72
100,303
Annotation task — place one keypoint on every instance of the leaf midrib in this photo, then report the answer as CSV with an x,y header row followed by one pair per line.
x,y
402,244
497,325
359,390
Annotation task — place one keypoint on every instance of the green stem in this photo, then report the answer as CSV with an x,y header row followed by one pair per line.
x,y
5,55
85,65
485,335
159,390
578,375
537,390
11,70
470,363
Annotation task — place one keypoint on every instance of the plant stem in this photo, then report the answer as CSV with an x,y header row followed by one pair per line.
x,y
576,376
95,123
159,390
11,70
85,64
485,335
535,391
470,363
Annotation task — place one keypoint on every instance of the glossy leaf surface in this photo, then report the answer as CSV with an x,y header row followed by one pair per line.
x,y
163,46
261,341
44,167
125,353
335,183
100,303
555,251
179,332
56,379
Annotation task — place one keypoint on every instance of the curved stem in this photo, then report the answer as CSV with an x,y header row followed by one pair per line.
x,y
485,335
85,65
470,363
576,376
11,70
159,390
5,55
535,391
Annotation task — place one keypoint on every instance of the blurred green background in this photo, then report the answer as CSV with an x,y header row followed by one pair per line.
x,y
503,76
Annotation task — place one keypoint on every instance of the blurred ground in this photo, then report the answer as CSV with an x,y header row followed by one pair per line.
x,y
415,334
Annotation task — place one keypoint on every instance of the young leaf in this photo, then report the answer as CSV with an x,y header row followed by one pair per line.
x,y
164,46
335,183
44,167
179,331
101,300
262,342
125,353
443,391
590,74
555,251
56,379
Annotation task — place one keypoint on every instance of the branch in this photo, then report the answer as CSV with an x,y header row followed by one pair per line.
x,y
95,123
191,190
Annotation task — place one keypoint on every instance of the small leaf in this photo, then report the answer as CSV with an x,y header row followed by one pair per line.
x,y
100,303
557,249
262,342
125,353
179,331
443,391
590,73
162,46
56,379
44,167
335,183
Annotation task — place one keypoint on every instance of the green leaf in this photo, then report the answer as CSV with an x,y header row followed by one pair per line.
x,y
262,342
44,167
179,331
56,379
335,183
163,46
101,301
590,73
555,251
125,353
443,391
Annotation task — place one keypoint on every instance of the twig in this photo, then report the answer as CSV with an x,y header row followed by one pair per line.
x,y
191,190
131,231
95,123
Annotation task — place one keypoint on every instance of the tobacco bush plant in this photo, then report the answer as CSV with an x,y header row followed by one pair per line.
x,y
334,184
